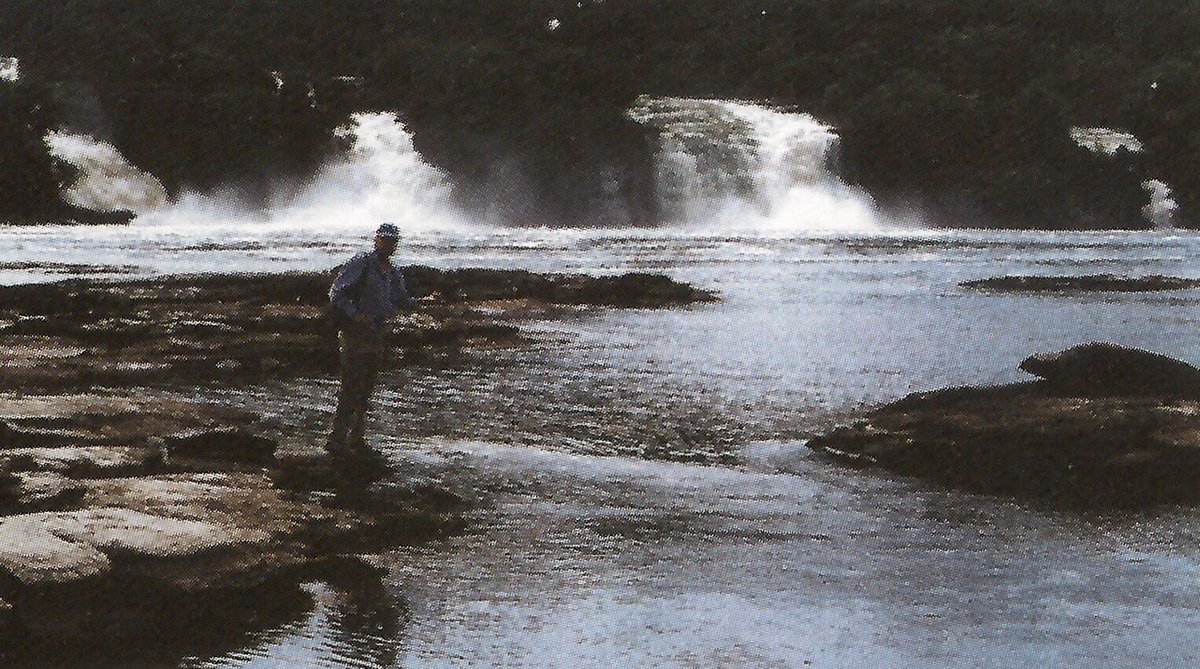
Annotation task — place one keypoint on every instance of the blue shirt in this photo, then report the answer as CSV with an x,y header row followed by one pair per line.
x,y
368,285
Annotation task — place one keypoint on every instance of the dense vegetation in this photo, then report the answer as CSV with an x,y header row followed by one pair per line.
x,y
29,179
960,108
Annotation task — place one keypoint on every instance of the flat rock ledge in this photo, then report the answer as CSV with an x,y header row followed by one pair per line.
x,y
1083,283
75,334
1104,427
130,522
134,522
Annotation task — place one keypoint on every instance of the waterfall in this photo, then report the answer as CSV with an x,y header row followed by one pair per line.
x,y
1160,212
10,68
381,177
106,180
736,164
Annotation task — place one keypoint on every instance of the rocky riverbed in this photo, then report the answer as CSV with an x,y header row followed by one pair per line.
x,y
1104,426
136,521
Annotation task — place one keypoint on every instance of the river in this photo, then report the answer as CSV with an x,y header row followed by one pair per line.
x,y
646,496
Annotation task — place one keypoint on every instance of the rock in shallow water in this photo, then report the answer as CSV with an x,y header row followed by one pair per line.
x,y
124,561
100,549
1078,438
185,329
1083,283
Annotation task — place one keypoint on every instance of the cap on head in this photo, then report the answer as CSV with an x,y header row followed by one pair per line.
x,y
388,231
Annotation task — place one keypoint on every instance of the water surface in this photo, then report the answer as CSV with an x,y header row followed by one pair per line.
x,y
647,497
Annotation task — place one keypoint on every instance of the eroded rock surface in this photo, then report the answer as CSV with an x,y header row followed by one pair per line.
x,y
87,550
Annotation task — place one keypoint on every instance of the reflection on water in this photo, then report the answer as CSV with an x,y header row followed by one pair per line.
x,y
346,628
592,561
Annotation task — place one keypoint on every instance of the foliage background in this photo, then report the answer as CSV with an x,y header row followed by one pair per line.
x,y
959,109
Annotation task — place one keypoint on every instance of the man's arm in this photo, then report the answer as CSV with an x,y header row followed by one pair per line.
x,y
340,293
402,300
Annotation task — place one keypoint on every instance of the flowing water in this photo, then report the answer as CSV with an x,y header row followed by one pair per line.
x,y
646,498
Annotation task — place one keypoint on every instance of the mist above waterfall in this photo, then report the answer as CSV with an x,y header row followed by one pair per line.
x,y
736,164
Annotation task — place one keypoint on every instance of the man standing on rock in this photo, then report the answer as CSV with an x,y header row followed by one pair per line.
x,y
367,292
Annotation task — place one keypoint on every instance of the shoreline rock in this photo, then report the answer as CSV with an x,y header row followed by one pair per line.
x,y
1078,444
77,542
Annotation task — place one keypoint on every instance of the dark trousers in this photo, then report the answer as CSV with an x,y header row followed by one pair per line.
x,y
361,355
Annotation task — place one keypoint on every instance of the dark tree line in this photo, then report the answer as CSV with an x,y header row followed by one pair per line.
x,y
30,179
959,107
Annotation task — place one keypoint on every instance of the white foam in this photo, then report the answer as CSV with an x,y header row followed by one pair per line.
x,y
381,177
10,68
735,165
107,181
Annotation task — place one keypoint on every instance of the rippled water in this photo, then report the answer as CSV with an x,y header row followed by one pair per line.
x,y
648,498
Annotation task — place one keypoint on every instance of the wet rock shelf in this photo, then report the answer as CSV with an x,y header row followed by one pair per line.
x,y
1105,427
133,517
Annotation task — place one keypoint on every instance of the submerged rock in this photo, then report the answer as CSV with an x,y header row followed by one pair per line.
x,y
1107,440
1087,283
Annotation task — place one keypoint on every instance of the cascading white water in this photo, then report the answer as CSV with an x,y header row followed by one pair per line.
x,y
106,180
10,69
1161,210
736,164
380,178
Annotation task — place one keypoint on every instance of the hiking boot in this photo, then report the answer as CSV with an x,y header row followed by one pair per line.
x,y
368,457
337,446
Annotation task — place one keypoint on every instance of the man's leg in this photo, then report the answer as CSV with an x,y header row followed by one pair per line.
x,y
368,373
349,390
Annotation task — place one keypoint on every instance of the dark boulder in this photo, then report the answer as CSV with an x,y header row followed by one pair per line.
x,y
1107,427
1099,369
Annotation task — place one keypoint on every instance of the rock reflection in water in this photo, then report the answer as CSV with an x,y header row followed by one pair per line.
x,y
359,628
